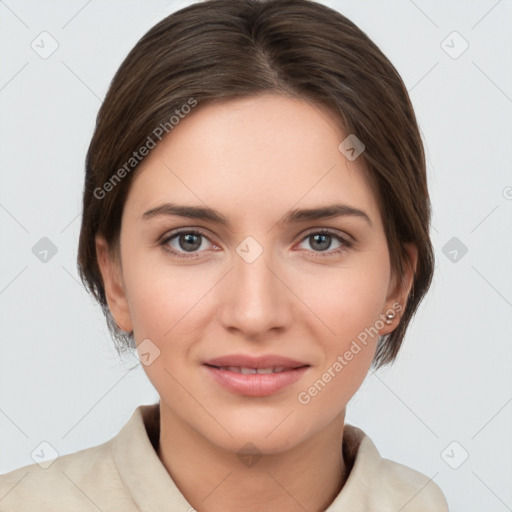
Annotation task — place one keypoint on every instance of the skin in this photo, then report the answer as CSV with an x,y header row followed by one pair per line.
x,y
253,160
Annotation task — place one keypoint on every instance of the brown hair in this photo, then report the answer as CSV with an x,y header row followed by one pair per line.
x,y
228,49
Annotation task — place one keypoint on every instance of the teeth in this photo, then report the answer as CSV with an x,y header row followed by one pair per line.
x,y
250,371
265,370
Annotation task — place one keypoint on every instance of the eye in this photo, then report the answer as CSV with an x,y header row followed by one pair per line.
x,y
189,243
185,243
321,240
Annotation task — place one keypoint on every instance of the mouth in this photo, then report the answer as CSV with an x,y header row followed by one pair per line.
x,y
251,371
247,362
256,381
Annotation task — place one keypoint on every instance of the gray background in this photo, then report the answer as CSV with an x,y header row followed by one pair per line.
x,y
448,396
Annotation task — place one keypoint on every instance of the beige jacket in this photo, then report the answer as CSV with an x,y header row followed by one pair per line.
x,y
125,474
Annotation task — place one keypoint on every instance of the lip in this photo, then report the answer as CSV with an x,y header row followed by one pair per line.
x,y
266,361
256,385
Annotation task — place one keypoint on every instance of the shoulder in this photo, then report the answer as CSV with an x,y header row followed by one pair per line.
x,y
76,481
418,492
397,485
385,485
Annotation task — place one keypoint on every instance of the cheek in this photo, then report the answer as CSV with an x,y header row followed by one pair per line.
x,y
348,300
162,299
167,306
350,307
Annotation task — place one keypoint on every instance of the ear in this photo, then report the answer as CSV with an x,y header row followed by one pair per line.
x,y
111,273
399,289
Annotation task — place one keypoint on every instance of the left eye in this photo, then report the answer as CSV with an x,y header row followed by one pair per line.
x,y
321,241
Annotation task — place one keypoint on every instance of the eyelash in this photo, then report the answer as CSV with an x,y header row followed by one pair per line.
x,y
346,244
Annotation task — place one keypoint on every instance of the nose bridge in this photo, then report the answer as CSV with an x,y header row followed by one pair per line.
x,y
252,272
256,300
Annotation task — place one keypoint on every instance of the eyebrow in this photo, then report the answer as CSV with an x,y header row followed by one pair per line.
x,y
291,217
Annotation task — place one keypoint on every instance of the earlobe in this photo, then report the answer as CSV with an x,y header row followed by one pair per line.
x,y
113,284
397,299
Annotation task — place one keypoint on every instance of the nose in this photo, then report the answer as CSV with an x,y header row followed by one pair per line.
x,y
255,299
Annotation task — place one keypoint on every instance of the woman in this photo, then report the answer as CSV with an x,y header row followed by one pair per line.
x,y
255,223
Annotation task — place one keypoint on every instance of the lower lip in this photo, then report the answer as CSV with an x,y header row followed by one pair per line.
x,y
256,384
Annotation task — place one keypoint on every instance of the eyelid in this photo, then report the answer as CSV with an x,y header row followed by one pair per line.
x,y
331,231
187,229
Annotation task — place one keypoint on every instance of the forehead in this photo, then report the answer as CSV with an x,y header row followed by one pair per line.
x,y
263,154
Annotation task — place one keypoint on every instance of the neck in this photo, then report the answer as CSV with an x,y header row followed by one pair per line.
x,y
307,476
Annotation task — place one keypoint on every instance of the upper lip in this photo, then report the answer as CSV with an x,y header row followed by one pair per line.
x,y
244,361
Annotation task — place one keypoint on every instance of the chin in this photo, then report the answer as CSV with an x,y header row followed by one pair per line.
x,y
268,436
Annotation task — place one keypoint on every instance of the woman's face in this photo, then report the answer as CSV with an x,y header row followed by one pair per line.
x,y
266,281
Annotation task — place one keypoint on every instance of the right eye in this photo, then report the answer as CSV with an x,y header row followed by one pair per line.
x,y
185,243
